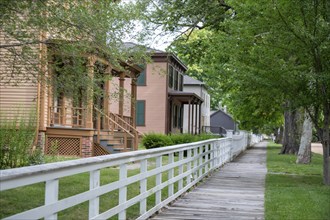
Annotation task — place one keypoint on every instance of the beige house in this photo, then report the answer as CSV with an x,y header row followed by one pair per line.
x,y
199,88
86,127
161,99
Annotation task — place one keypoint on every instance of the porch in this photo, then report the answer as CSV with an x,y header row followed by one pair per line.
x,y
87,127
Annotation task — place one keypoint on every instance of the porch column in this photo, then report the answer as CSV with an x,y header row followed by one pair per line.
x,y
200,118
50,105
133,101
192,118
189,117
121,94
196,121
106,105
42,87
90,71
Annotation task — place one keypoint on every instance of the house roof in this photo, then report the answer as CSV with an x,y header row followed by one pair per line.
x,y
148,49
187,80
225,113
159,55
186,97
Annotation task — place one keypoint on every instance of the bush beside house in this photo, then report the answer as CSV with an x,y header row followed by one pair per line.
x,y
155,140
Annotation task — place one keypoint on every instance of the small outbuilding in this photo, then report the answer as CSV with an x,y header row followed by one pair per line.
x,y
220,121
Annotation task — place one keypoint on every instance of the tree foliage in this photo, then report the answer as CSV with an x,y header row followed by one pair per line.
x,y
70,30
263,55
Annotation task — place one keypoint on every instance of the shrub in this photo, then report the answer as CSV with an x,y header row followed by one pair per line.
x,y
16,139
154,140
183,138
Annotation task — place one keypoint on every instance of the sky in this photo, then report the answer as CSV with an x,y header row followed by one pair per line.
x,y
157,39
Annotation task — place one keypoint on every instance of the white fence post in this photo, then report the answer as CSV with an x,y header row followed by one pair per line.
x,y
170,175
122,190
158,194
200,161
180,184
143,186
189,177
94,182
195,162
51,196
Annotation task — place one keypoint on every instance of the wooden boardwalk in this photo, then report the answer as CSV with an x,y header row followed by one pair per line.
x,y
236,191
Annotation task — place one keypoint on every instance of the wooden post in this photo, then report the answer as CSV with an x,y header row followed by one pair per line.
x,y
200,118
196,122
50,90
133,101
107,99
63,113
121,94
90,69
98,125
42,83
189,117
192,119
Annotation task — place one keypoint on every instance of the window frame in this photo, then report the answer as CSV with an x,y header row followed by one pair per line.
x,y
144,113
144,82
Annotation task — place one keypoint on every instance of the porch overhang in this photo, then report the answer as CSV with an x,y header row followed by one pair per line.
x,y
185,97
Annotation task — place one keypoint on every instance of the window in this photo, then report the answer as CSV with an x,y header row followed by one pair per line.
x,y
141,80
175,116
176,80
170,77
181,83
140,112
180,117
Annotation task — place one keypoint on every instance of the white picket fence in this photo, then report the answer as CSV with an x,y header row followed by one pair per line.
x,y
187,165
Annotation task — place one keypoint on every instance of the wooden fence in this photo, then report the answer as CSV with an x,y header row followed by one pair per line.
x,y
187,165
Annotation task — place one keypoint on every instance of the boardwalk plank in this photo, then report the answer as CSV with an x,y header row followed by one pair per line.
x,y
235,191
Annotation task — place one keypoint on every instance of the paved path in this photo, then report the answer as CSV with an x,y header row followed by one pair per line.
x,y
236,191
317,148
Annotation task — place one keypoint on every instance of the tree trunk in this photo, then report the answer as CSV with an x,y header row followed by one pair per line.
x,y
325,139
304,153
279,135
292,127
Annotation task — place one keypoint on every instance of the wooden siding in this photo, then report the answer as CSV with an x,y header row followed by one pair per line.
x,y
18,84
155,95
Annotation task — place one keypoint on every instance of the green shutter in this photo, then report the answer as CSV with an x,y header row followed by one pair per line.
x,y
141,80
140,112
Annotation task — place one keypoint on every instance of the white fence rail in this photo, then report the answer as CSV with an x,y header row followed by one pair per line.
x,y
186,165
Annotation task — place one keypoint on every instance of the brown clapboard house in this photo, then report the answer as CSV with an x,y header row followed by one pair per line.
x,y
83,129
160,96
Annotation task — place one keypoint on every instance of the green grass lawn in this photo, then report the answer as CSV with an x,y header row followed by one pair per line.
x,y
295,191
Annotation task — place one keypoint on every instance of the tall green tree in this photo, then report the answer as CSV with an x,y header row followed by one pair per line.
x,y
277,52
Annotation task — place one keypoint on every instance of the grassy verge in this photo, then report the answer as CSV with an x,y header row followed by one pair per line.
x,y
295,191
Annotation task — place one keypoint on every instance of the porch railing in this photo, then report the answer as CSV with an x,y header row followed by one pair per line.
x,y
186,165
67,116
115,122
